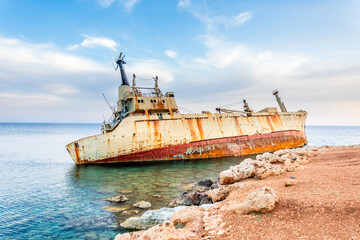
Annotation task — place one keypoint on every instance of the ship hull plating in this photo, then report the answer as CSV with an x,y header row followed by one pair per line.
x,y
191,136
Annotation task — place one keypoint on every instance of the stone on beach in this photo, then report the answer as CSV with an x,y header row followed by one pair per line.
x,y
222,192
117,199
166,230
200,186
290,182
150,218
262,200
236,173
186,215
142,204
190,198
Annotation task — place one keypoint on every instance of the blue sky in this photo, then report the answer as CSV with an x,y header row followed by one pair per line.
x,y
56,56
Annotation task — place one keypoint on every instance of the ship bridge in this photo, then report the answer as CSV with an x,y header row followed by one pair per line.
x,y
133,101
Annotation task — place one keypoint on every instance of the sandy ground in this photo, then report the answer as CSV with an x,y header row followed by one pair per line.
x,y
325,204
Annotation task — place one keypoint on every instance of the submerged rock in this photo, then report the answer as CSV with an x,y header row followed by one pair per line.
x,y
131,212
125,190
114,208
117,199
142,204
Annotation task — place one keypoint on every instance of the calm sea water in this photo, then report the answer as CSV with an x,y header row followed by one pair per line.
x,y
44,195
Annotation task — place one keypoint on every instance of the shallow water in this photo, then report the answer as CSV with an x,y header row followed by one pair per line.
x,y
43,194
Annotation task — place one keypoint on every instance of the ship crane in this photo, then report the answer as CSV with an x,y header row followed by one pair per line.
x,y
247,111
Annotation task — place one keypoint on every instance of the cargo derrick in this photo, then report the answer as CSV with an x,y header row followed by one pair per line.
x,y
146,126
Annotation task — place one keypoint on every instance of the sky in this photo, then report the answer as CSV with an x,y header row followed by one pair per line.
x,y
57,57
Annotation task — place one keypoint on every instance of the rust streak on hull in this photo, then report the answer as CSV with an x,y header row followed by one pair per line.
x,y
222,147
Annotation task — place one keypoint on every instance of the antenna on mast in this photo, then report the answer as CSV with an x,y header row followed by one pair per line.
x,y
112,110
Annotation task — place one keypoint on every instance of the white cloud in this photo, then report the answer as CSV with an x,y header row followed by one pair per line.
x,y
170,53
222,54
72,47
105,3
184,3
242,18
93,42
212,20
62,89
128,4
24,99
151,68
42,59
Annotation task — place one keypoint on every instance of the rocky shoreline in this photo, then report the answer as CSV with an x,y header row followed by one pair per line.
x,y
208,220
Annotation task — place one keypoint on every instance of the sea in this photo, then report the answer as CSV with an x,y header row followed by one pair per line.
x,y
44,195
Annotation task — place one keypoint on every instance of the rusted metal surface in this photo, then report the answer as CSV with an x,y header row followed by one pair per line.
x,y
191,136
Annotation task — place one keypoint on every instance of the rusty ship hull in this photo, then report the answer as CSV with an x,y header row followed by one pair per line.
x,y
192,136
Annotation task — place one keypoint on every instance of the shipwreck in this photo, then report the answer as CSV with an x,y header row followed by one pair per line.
x,y
147,126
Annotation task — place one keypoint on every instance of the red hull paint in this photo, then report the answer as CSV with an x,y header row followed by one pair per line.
x,y
220,147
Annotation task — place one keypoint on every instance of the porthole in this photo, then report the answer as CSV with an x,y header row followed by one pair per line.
x,y
163,101
138,101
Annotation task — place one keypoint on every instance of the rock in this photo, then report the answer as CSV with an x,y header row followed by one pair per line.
x,y
227,177
190,198
166,230
278,170
200,186
150,218
267,156
216,184
300,151
156,197
263,173
125,190
236,173
290,182
142,204
262,200
290,168
274,159
205,183
117,199
131,212
304,161
114,208
247,161
221,193
186,215
260,158
280,153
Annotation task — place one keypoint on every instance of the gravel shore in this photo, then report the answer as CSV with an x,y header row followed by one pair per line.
x,y
318,201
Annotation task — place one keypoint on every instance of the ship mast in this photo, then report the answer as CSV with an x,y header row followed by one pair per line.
x,y
120,61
